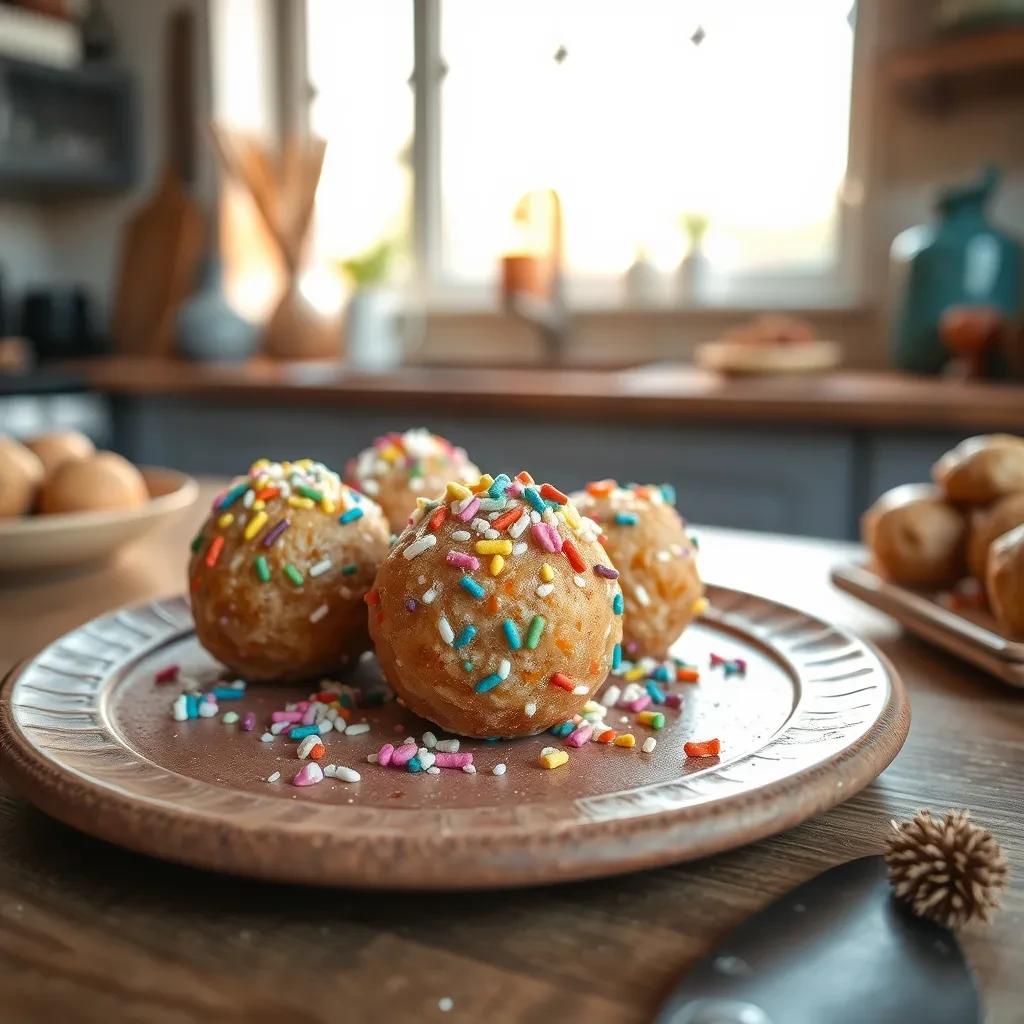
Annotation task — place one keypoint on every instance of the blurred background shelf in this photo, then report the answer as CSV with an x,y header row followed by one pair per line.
x,y
988,61
65,131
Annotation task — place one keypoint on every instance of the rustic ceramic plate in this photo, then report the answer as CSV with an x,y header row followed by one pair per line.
x,y
86,734
82,538
972,634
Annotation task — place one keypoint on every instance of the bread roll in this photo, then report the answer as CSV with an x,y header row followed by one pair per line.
x,y
916,536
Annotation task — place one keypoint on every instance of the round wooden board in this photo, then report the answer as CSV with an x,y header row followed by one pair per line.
x,y
86,735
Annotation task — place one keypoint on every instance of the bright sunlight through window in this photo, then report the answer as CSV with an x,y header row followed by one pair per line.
x,y
641,113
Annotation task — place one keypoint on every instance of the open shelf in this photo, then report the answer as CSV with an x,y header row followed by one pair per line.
x,y
65,130
996,54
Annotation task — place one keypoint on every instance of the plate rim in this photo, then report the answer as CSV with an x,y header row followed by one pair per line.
x,y
614,846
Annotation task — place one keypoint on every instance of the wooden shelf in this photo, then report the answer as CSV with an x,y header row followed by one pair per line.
x,y
994,52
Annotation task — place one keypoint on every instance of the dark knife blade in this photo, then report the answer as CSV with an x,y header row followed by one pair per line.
x,y
839,949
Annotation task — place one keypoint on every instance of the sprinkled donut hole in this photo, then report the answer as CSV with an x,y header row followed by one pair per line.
x,y
648,543
398,469
493,614
280,569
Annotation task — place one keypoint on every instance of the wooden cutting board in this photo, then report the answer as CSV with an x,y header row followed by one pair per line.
x,y
164,240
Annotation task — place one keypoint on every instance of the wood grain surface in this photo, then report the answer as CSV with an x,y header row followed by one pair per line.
x,y
91,933
659,393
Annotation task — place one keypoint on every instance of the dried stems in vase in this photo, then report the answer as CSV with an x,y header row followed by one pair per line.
x,y
283,189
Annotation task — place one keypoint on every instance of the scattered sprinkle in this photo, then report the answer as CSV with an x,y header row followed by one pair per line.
x,y
553,759
462,561
579,736
488,683
702,748
535,631
214,550
417,547
445,629
465,637
512,636
274,532
562,681
308,775
471,587
311,748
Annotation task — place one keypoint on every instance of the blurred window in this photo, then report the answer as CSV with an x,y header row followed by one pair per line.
x,y
641,113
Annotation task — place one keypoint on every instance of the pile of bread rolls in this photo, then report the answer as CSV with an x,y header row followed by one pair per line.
x,y
62,472
970,522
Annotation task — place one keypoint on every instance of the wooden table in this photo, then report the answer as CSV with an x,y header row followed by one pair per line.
x,y
91,933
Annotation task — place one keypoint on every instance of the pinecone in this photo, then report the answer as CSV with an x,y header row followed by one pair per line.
x,y
948,870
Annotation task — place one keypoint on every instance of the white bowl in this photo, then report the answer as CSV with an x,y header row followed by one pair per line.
x,y
79,538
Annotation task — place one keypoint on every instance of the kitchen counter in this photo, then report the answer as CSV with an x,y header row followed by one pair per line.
x,y
799,455
655,392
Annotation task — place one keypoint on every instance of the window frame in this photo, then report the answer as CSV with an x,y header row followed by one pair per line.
x,y
838,287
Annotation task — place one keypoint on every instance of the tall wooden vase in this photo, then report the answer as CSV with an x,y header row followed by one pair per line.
x,y
283,187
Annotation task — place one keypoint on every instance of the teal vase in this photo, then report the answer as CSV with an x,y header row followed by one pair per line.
x,y
959,260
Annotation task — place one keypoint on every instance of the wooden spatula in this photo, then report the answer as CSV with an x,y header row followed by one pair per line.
x,y
163,241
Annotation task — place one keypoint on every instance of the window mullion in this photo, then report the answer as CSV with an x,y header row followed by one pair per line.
x,y
427,78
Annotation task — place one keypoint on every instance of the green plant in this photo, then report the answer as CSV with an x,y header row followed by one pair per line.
x,y
372,266
695,225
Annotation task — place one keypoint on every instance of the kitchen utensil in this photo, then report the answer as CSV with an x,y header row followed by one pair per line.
x,y
163,241
839,949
